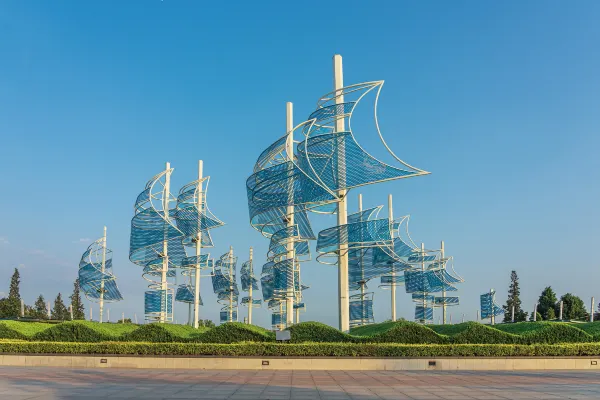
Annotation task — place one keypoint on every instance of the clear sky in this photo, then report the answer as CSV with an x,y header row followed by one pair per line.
x,y
498,100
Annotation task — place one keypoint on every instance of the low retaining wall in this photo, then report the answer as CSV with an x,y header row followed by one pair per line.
x,y
325,363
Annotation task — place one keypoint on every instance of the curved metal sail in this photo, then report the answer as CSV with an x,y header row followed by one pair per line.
x,y
96,278
156,245
489,307
195,220
225,286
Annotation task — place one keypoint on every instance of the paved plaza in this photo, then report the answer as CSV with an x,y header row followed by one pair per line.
x,y
45,383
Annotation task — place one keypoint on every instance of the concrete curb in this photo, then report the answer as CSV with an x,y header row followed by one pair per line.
x,y
281,363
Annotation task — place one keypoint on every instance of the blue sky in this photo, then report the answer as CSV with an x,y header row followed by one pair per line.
x,y
498,100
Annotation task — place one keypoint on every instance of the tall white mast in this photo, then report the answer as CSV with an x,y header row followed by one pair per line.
x,y
102,276
231,283
362,271
342,206
199,205
393,286
423,272
443,289
164,307
289,147
250,288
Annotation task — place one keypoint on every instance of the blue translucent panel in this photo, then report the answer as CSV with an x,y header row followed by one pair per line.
x,y
247,277
364,215
154,302
255,302
426,281
449,301
423,314
361,310
225,316
93,281
489,307
299,306
388,280
185,294
203,261
359,234
277,318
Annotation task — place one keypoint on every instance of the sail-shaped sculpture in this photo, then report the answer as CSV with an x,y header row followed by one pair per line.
x,y
249,284
195,220
156,244
225,286
489,308
331,155
279,196
96,279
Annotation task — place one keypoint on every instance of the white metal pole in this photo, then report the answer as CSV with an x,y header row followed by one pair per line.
x,y
71,311
289,148
423,271
463,317
231,284
450,319
91,313
250,288
363,320
102,279
164,285
492,316
443,289
135,316
512,314
477,315
200,206
560,312
108,314
342,206
592,310
393,274
123,318
22,308
535,312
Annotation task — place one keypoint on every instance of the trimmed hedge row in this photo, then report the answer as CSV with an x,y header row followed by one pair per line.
x,y
389,332
301,350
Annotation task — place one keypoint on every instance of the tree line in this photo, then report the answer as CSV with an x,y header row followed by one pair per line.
x,y
548,305
10,307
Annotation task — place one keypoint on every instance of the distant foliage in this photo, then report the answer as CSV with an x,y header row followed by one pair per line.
x,y
514,299
546,302
39,308
573,307
60,312
76,303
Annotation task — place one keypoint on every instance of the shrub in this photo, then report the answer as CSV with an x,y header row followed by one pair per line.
x,y
234,332
483,334
7,332
317,332
302,350
407,332
70,332
155,333
556,333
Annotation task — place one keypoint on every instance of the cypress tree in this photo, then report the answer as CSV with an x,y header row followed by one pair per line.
x,y
39,308
15,281
76,303
546,302
59,312
514,299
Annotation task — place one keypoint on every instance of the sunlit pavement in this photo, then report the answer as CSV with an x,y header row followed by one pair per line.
x,y
44,383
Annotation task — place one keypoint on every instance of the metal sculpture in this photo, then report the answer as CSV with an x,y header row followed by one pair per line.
x,y
249,284
156,244
96,279
489,308
328,162
225,286
195,220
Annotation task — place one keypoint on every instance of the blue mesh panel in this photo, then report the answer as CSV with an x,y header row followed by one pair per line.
x,y
423,314
489,306
154,302
92,281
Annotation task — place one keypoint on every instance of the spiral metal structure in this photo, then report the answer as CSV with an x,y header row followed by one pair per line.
x,y
195,220
489,307
249,284
95,279
156,245
225,286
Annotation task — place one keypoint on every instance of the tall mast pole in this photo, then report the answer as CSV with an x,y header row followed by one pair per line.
x,y
250,288
230,283
492,319
164,307
289,149
342,206
102,270
199,205
423,278
362,271
393,287
443,290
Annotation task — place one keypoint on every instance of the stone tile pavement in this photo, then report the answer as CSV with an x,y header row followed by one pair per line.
x,y
47,383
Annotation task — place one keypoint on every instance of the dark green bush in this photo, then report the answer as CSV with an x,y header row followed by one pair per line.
x,y
409,333
302,350
8,333
70,332
317,332
155,333
478,333
556,333
234,332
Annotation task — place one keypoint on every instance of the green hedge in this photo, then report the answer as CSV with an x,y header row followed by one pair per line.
x,y
317,332
408,333
234,332
301,350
